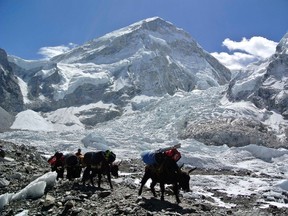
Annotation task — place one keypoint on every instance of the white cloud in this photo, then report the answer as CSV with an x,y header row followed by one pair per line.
x,y
49,52
257,46
245,52
235,61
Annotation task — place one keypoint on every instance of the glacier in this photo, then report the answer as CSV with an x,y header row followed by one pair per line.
x,y
158,125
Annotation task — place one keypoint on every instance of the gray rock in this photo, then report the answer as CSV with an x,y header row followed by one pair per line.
x,y
11,98
6,119
237,133
4,182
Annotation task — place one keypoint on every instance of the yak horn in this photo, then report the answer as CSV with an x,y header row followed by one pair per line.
x,y
192,170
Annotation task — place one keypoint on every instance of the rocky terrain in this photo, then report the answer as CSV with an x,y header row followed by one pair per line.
x,y
233,132
71,198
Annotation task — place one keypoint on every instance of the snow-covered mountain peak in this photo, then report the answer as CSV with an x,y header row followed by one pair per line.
x,y
127,41
150,58
27,64
154,24
282,47
157,24
265,84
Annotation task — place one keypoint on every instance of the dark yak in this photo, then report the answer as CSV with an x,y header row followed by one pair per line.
x,y
57,164
97,163
2,152
73,166
69,161
167,172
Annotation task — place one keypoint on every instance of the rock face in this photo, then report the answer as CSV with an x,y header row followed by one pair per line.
x,y
6,120
11,98
265,83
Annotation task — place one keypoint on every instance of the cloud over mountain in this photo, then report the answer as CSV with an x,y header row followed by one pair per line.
x,y
51,51
245,51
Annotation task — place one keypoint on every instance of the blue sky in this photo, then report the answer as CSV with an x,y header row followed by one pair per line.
x,y
26,26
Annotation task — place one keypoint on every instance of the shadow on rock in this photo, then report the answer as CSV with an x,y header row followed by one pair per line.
x,y
84,188
153,204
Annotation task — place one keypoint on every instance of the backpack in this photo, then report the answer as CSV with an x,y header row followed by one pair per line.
x,y
52,160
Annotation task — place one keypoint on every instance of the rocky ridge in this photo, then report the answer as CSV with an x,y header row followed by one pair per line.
x,y
264,83
6,119
71,198
11,98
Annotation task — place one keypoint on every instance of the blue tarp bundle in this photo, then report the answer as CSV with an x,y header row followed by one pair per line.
x,y
148,157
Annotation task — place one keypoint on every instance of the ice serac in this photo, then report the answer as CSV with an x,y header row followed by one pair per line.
x,y
265,83
11,98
